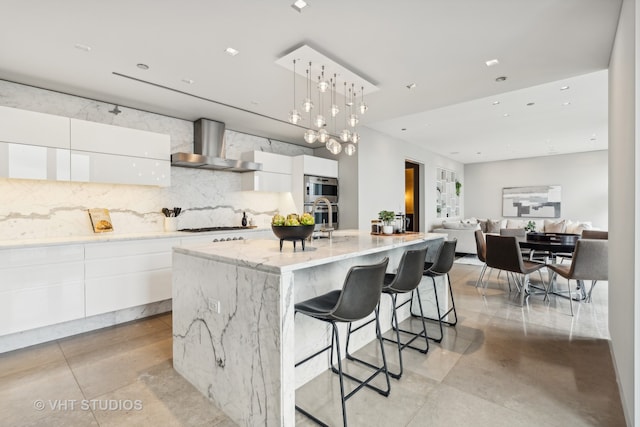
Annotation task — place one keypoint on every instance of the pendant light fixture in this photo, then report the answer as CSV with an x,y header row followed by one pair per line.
x,y
320,120
294,115
307,105
323,84
353,118
334,106
345,134
362,107
310,135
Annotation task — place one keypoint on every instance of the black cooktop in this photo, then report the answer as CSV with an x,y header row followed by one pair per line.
x,y
205,229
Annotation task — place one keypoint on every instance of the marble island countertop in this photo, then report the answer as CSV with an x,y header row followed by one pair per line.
x,y
111,237
265,255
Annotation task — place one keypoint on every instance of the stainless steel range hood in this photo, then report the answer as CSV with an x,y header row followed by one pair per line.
x,y
209,150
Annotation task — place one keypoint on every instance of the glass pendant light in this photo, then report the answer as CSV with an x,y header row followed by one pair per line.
x,y
349,149
310,136
333,146
323,84
294,115
320,120
307,105
355,137
353,120
362,107
334,107
323,135
345,134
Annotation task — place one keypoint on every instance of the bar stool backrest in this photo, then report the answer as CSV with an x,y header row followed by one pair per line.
x,y
481,246
360,292
410,270
590,260
444,259
518,232
503,253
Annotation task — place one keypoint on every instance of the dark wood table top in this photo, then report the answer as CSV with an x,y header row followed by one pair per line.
x,y
549,242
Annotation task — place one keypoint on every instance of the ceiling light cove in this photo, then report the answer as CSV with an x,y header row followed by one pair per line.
x,y
231,51
492,62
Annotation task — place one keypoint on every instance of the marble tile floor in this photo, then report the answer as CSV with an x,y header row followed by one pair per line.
x,y
503,365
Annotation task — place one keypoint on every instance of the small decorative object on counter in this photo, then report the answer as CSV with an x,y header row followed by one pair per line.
x,y
171,218
293,228
531,226
101,220
244,219
387,217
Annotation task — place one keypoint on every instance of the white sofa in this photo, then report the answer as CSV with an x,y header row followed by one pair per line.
x,y
464,230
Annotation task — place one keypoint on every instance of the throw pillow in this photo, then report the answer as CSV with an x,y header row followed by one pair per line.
x,y
515,223
483,225
577,227
554,226
493,226
471,220
451,225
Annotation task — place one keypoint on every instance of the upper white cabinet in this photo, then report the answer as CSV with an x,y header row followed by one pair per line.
x,y
32,128
274,176
109,139
318,166
113,154
33,145
44,146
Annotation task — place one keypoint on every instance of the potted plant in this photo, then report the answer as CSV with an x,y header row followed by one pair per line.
x,y
531,226
387,217
458,187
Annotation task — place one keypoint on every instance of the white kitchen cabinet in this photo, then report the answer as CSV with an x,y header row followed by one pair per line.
x,y
109,168
33,128
318,166
120,275
109,139
34,162
40,287
275,174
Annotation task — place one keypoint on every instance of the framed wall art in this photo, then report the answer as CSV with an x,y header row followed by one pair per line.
x,y
540,201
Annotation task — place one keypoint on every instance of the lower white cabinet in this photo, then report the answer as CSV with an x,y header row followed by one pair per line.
x,y
120,275
40,287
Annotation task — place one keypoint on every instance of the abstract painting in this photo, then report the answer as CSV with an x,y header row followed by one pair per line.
x,y
541,201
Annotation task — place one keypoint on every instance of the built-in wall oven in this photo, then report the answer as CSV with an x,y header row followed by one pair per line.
x,y
318,186
321,214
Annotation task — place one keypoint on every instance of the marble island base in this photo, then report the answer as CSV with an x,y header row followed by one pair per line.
x,y
235,338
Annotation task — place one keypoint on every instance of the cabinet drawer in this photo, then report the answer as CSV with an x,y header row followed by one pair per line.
x,y
37,276
124,249
123,265
25,309
40,255
129,290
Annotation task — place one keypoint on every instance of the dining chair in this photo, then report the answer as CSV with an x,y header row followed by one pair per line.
x,y
590,262
595,234
481,249
440,268
503,253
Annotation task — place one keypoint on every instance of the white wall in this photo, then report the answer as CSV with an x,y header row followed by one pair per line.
x,y
624,300
582,176
381,178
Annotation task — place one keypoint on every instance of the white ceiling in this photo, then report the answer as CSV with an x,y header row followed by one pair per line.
x,y
440,45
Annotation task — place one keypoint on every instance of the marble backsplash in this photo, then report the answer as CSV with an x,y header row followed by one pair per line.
x,y
36,209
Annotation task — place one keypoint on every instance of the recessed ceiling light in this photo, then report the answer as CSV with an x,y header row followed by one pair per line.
x,y
564,104
454,152
84,47
501,79
506,115
411,86
142,66
529,104
593,137
188,81
564,88
495,103
492,62
403,129
479,153
231,51
254,102
299,5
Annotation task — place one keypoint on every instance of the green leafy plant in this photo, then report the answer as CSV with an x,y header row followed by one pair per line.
x,y
387,216
458,187
531,226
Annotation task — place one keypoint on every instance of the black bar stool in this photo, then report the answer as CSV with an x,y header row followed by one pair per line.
x,y
358,298
406,280
441,267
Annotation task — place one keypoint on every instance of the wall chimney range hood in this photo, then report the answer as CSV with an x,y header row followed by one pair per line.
x,y
209,150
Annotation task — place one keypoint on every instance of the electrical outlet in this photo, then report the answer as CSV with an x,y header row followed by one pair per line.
x,y
214,305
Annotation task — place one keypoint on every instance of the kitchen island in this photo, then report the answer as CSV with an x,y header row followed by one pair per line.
x,y
234,337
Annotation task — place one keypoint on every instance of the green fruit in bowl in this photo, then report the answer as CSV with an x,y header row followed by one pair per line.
x,y
277,220
291,222
307,219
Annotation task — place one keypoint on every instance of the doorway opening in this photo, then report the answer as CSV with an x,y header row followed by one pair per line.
x,y
412,195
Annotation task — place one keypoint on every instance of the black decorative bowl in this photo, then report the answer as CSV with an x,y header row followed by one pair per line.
x,y
292,233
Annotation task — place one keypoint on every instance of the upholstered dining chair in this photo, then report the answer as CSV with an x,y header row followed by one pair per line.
x,y
590,262
595,234
503,253
481,249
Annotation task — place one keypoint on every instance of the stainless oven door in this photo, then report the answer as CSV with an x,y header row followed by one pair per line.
x,y
317,186
321,215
